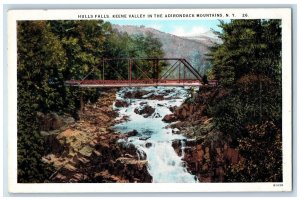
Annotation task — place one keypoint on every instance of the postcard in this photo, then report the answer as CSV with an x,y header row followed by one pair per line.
x,y
150,100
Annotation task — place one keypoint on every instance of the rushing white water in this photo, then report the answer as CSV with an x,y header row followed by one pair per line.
x,y
154,141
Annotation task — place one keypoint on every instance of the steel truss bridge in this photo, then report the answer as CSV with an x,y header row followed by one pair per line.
x,y
157,72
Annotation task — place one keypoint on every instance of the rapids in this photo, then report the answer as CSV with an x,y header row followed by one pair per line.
x,y
153,140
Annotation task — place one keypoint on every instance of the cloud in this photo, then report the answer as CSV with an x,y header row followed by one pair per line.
x,y
193,31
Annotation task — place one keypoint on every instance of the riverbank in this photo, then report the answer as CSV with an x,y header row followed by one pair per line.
x,y
87,150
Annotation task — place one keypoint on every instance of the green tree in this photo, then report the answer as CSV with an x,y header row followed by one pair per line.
x,y
145,46
85,45
249,46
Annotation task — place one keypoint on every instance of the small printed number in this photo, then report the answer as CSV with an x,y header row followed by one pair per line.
x,y
277,185
244,15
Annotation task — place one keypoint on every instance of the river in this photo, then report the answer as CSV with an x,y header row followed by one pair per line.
x,y
153,140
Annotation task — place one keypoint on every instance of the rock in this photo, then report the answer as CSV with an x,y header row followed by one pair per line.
x,y
146,111
178,125
129,156
176,131
122,119
69,120
143,103
97,153
177,145
106,177
86,151
83,160
50,121
185,106
103,130
103,118
78,176
232,155
173,108
135,94
177,111
169,118
183,113
121,103
156,97
207,155
200,153
148,144
132,133
69,167
130,161
191,110
144,138
60,177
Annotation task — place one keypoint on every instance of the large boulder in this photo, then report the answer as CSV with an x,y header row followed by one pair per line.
x,y
52,121
121,103
132,133
169,118
135,94
145,110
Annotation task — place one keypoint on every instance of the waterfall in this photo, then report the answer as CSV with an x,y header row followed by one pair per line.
x,y
154,140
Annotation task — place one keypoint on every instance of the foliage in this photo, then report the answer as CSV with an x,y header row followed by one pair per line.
x,y
263,151
248,66
30,142
41,62
249,46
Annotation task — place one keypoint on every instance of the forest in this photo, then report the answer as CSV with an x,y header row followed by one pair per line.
x,y
50,52
247,65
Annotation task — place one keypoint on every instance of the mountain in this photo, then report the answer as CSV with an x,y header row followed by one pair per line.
x,y
193,49
205,37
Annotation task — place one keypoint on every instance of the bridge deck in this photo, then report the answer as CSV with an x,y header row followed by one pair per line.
x,y
132,83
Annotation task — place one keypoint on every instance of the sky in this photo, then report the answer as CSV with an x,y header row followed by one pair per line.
x,y
175,27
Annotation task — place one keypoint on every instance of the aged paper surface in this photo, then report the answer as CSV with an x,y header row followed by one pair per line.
x,y
155,125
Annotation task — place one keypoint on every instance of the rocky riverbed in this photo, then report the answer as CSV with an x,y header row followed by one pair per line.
x,y
140,135
87,150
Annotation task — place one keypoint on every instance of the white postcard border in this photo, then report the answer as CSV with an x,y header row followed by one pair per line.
x,y
72,14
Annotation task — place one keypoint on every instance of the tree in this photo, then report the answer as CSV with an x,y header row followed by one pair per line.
x,y
249,46
85,45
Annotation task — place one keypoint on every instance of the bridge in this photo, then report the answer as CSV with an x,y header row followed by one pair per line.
x,y
141,72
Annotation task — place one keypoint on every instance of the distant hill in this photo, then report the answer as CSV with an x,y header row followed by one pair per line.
x,y
191,48
208,37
